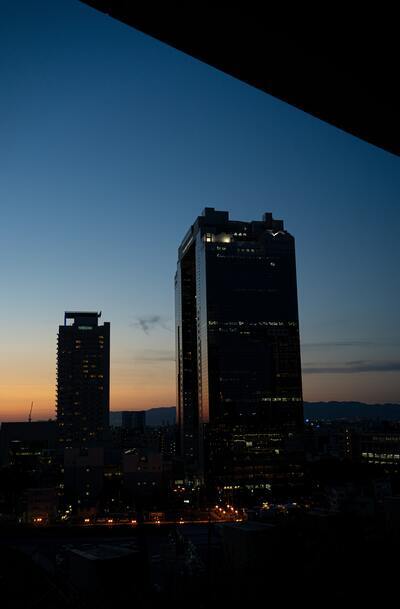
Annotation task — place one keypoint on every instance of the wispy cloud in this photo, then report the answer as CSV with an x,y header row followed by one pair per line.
x,y
352,367
148,323
350,343
338,343
154,355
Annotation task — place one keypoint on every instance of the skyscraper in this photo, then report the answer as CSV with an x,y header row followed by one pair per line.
x,y
83,379
239,392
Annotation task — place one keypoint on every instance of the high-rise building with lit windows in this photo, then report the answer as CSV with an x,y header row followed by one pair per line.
x,y
83,379
239,391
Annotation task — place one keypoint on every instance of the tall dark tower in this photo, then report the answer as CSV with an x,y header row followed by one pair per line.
x,y
239,385
83,379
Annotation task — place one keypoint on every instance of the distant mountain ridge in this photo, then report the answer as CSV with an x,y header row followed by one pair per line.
x,y
351,410
155,417
166,415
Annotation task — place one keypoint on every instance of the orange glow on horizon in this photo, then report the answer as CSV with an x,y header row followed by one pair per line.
x,y
148,391
15,400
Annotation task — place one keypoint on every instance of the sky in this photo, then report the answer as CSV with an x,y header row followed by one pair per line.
x,y
111,144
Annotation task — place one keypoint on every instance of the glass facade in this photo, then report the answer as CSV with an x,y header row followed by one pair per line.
x,y
238,348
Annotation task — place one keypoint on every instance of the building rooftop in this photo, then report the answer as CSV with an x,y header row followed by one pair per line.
x,y
82,317
104,552
248,527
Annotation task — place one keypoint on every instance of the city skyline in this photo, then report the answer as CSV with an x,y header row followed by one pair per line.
x,y
111,144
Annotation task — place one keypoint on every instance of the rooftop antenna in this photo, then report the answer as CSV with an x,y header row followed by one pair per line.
x,y
30,414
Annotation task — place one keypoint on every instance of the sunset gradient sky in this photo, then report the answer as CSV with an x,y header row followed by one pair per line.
x,y
111,144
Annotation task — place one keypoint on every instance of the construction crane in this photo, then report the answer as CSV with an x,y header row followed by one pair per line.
x,y
30,414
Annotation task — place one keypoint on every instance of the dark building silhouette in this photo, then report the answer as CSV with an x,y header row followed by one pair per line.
x,y
30,440
134,419
83,379
239,392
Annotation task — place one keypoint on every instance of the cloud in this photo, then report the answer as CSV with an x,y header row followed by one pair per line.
x,y
352,367
339,343
148,323
347,343
154,355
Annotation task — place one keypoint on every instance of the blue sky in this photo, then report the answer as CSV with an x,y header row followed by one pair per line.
x,y
111,144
